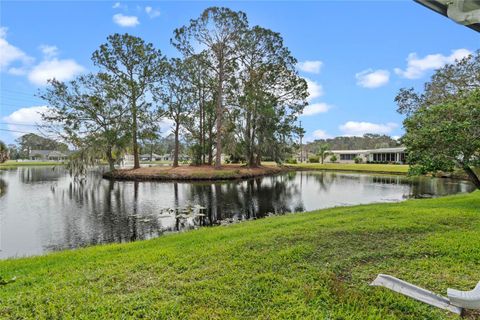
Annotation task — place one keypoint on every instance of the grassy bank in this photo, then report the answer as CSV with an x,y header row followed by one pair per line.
x,y
301,266
227,172
360,167
12,164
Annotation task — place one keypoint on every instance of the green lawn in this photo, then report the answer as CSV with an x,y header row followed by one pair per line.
x,y
11,164
157,162
362,167
313,265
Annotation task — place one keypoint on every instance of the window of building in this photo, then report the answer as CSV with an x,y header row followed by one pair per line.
x,y
347,156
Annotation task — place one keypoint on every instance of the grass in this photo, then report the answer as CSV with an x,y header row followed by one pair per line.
x,y
12,164
361,167
313,265
157,162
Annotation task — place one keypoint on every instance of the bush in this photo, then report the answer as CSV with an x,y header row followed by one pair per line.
x,y
291,161
358,160
314,159
333,158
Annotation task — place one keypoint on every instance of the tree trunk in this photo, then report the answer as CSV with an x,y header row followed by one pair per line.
x,y
472,175
151,150
258,162
136,160
219,112
201,129
249,151
175,150
110,159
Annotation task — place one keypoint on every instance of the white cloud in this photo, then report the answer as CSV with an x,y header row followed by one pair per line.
x,y
125,21
316,108
10,54
152,13
166,126
315,89
321,134
20,71
310,66
49,51
372,78
28,115
417,67
116,5
61,70
355,128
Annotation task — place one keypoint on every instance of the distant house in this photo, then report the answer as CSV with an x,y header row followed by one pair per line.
x,y
383,155
150,157
47,155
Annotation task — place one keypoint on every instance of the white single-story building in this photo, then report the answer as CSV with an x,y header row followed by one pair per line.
x,y
150,157
47,155
383,155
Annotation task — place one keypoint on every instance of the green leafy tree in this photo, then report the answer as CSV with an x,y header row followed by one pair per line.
x,y
90,114
32,141
445,136
178,99
137,68
449,83
219,31
271,94
200,127
442,122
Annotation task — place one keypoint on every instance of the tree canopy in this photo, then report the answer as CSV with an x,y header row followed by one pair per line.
x,y
443,123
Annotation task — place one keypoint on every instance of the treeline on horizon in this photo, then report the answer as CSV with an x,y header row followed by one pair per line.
x,y
367,141
164,145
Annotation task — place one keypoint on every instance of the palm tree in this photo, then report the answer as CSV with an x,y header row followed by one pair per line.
x,y
323,151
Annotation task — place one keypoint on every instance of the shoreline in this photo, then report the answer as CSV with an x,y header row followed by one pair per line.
x,y
194,173
364,168
233,258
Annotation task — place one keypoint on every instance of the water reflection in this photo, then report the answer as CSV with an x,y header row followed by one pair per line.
x,y
3,187
45,209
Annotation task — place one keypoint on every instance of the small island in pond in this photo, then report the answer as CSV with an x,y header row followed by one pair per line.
x,y
189,173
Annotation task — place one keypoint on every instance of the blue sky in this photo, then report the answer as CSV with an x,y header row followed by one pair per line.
x,y
356,55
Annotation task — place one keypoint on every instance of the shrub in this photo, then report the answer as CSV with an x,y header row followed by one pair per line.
x,y
333,158
358,160
291,161
314,159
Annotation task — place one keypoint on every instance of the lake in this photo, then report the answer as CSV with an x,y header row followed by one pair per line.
x,y
43,209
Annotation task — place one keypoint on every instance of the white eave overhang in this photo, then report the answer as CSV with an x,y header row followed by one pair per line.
x,y
465,12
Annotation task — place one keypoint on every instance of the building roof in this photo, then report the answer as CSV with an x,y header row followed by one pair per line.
x,y
466,12
396,149
148,155
48,153
380,150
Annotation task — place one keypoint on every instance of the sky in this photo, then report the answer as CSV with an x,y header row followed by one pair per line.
x,y
354,55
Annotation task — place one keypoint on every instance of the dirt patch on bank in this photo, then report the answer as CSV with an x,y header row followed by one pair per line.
x,y
192,173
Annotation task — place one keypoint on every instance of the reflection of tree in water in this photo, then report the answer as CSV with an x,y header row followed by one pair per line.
x,y
324,179
96,211
3,187
104,211
253,198
41,174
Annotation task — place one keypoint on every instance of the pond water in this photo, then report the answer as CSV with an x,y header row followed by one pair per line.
x,y
43,209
